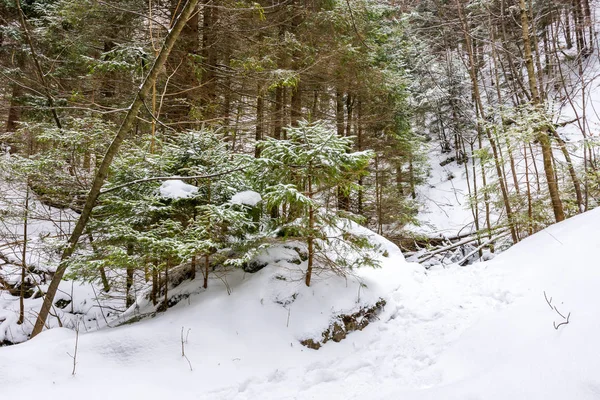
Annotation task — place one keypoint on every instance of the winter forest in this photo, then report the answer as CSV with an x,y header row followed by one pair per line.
x,y
300,199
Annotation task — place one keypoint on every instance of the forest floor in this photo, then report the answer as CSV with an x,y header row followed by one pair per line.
x,y
485,331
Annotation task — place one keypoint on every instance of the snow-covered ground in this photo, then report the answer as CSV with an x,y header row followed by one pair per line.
x,y
444,198
481,332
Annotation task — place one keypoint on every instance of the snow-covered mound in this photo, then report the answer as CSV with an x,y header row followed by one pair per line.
x,y
253,331
481,332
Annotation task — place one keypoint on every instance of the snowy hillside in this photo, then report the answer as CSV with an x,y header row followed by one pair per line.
x,y
454,178
482,332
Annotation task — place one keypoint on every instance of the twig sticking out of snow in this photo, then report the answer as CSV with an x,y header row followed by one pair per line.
x,y
74,356
183,342
565,322
565,319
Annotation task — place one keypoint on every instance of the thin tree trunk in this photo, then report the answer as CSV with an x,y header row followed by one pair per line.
x,y
578,20
542,136
14,110
411,173
129,300
296,105
193,267
339,112
571,169
567,23
359,145
104,167
24,258
38,67
311,227
486,195
480,111
206,268
473,203
155,281
278,113
165,304
259,122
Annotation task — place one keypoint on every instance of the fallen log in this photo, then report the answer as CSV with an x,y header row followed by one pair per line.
x,y
452,246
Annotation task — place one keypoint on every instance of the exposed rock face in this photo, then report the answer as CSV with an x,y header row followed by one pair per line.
x,y
254,266
343,324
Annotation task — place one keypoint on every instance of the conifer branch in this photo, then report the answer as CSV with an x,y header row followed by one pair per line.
x,y
168,178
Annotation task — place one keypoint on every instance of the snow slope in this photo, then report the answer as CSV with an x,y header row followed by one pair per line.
x,y
480,332
444,196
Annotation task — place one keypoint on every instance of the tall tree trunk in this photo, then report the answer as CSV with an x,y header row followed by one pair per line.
x,y
206,271
342,195
578,21
14,110
193,267
360,147
38,68
296,105
529,201
311,227
155,282
260,103
542,136
567,23
210,16
129,299
104,167
278,113
181,66
480,112
587,14
24,258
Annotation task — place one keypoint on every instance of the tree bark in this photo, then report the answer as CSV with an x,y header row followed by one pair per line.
x,y
260,103
311,227
296,105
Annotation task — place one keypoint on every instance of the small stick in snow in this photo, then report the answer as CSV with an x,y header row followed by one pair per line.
x,y
548,301
566,319
74,356
562,323
183,342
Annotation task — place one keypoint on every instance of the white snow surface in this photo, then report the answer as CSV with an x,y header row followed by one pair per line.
x,y
479,332
177,189
444,198
247,198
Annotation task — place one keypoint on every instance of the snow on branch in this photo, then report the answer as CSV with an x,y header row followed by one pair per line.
x,y
168,178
